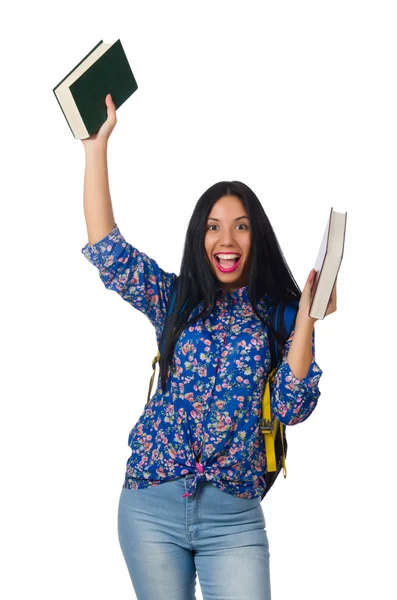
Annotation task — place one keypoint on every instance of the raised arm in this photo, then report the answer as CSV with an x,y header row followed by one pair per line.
x,y
122,268
98,209
295,390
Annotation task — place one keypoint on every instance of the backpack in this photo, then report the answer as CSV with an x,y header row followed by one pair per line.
x,y
282,318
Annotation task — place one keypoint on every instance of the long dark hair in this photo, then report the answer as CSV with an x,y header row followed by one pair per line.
x,y
269,273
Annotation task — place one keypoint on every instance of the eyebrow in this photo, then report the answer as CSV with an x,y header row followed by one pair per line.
x,y
243,217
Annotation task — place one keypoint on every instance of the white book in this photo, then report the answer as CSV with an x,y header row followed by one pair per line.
x,y
328,263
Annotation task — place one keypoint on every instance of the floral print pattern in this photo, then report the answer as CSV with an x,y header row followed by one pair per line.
x,y
207,421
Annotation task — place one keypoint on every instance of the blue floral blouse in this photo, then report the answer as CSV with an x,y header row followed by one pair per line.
x,y
207,421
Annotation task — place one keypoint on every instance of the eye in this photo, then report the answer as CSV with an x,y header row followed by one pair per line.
x,y
239,225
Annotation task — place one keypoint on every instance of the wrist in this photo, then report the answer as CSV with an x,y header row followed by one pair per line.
x,y
95,147
304,324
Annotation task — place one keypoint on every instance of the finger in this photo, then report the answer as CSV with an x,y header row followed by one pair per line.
x,y
312,275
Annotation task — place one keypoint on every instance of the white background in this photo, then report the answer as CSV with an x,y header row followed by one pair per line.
x,y
298,100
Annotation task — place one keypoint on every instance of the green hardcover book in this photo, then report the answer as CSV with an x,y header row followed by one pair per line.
x,y
81,94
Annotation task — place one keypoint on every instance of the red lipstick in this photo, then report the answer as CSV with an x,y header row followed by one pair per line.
x,y
230,269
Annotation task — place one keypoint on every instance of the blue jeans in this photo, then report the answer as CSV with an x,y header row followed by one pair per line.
x,y
165,539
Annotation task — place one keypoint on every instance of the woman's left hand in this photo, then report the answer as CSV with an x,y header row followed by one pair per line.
x,y
306,298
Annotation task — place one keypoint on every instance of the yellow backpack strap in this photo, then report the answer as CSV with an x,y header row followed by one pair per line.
x,y
283,455
269,428
154,361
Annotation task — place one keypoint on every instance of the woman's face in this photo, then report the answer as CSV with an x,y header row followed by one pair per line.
x,y
228,232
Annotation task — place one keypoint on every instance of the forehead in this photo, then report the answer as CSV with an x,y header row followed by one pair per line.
x,y
228,206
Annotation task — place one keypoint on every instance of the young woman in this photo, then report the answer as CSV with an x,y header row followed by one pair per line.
x,y
190,502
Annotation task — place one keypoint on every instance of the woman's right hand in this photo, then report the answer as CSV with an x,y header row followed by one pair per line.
x,y
102,135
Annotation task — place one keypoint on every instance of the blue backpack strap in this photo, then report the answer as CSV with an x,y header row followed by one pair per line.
x,y
288,313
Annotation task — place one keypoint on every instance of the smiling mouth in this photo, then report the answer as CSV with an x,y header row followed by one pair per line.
x,y
227,265
228,260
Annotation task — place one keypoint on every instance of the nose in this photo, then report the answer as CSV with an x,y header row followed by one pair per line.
x,y
226,238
